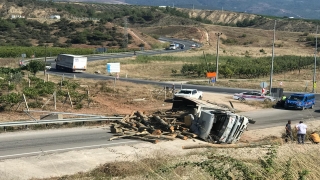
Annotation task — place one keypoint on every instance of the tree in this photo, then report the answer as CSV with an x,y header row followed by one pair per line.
x,y
34,66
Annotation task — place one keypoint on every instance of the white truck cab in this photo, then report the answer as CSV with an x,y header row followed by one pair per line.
x,y
172,47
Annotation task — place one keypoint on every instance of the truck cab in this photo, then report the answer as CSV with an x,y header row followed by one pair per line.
x,y
210,122
218,126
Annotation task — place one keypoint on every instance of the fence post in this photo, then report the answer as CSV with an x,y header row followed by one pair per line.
x,y
165,92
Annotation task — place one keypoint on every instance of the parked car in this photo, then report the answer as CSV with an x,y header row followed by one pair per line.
x,y
253,96
300,101
193,93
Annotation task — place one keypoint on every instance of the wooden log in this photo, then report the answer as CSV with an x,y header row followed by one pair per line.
x,y
157,132
127,125
144,123
155,141
144,128
174,135
182,137
189,134
232,145
183,129
164,124
160,137
140,125
128,135
143,118
115,129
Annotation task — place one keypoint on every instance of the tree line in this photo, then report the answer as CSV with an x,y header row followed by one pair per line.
x,y
248,67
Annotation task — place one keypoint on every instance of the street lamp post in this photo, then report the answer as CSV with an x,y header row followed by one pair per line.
x,y
315,63
271,69
217,60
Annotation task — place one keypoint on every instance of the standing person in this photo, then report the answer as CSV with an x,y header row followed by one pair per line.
x,y
289,131
301,132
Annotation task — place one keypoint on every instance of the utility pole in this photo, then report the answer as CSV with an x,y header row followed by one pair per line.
x,y
217,60
45,60
271,69
314,84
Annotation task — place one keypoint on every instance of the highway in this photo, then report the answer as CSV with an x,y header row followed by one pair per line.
x,y
24,143
48,141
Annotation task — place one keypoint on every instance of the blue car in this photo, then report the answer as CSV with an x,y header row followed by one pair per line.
x,y
300,101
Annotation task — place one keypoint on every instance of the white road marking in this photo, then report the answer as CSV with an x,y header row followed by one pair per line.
x,y
56,150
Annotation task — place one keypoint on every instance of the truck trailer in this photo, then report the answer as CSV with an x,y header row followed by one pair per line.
x,y
71,63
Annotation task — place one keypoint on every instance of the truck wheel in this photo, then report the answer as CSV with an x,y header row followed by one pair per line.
x,y
267,100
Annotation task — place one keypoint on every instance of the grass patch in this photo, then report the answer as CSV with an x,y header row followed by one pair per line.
x,y
258,162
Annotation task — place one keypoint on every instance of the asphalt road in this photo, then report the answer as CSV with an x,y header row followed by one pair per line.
x,y
24,143
50,141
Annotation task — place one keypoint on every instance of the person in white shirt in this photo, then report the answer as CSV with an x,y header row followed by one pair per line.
x,y
301,132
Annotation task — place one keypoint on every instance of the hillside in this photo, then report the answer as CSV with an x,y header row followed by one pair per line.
x,y
84,25
289,8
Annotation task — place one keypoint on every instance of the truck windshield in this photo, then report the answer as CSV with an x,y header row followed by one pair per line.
x,y
297,98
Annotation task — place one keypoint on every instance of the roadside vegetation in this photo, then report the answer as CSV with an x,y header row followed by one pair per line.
x,y
256,162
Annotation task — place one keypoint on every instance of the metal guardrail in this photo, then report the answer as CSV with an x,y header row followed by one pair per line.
x,y
56,121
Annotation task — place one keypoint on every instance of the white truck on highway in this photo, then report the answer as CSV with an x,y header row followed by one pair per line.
x,y
193,93
71,63
172,47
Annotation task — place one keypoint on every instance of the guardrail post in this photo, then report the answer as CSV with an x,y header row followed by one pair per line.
x,y
5,129
26,126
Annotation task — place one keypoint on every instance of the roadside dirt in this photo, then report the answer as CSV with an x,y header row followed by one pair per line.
x,y
108,104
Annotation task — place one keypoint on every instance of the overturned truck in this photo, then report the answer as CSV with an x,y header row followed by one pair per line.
x,y
212,123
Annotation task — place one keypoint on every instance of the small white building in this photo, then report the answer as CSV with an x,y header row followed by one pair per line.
x,y
55,17
15,16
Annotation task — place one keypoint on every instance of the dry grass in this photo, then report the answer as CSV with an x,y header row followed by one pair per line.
x,y
9,62
269,162
162,70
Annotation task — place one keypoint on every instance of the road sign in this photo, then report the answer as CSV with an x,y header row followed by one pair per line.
x,y
113,67
211,74
264,85
23,55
